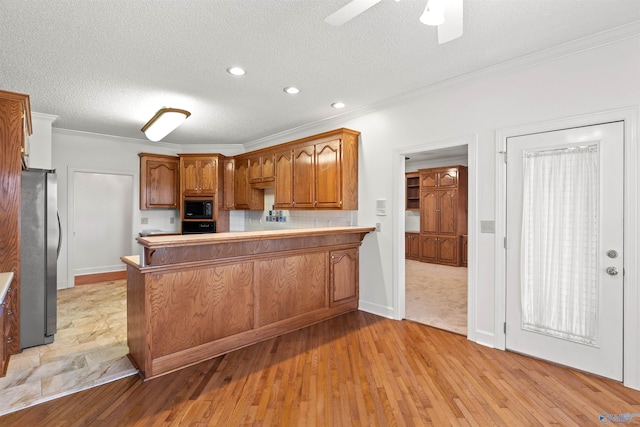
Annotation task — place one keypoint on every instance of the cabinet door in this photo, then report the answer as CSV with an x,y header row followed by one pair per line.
x,y
208,176
303,174
428,178
268,168
229,184
448,250
429,212
283,191
3,339
464,251
241,184
255,169
344,276
414,246
448,178
447,212
428,248
406,245
159,183
189,176
328,175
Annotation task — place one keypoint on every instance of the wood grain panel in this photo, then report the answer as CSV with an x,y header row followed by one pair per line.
x,y
304,178
290,286
196,306
344,275
137,320
328,175
14,113
283,191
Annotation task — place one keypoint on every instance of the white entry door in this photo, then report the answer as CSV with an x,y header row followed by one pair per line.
x,y
564,247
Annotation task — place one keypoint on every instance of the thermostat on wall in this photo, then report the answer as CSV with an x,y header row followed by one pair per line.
x,y
381,207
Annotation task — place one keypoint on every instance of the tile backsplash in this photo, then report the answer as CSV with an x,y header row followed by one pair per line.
x,y
256,220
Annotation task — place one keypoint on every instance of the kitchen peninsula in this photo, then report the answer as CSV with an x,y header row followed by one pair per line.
x,y
194,297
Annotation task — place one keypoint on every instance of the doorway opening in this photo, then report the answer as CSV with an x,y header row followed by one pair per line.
x,y
436,285
461,150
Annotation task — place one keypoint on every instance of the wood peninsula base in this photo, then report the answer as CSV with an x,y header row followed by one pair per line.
x,y
196,297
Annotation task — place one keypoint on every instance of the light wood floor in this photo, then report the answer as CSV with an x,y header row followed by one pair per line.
x,y
355,369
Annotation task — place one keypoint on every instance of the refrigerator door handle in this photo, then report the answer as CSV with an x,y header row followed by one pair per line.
x,y
59,235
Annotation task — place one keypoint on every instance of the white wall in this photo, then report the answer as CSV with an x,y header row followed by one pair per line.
x,y
112,155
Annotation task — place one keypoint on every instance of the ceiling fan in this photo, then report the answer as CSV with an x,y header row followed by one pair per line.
x,y
445,14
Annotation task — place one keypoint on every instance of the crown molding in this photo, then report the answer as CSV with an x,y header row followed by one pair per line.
x,y
553,53
48,117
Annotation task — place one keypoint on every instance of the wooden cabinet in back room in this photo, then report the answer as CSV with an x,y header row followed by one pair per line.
x,y
443,214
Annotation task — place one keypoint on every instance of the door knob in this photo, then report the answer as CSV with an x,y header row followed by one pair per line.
x,y
612,271
612,253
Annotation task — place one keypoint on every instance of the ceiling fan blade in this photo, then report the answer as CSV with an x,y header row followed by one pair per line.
x,y
349,11
451,28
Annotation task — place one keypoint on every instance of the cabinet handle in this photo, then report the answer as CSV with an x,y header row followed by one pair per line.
x,y
9,312
9,339
293,204
315,203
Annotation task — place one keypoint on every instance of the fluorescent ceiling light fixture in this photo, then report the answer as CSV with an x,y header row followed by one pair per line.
x,y
291,90
433,13
164,122
236,71
338,105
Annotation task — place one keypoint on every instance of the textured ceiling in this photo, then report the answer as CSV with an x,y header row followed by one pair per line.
x,y
106,66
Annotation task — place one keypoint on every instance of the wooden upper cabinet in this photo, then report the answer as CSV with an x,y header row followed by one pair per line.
x,y
303,177
439,178
159,181
229,184
328,175
246,197
198,175
439,212
262,170
283,191
241,184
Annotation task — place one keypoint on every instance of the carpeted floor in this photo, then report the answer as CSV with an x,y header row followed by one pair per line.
x,y
436,295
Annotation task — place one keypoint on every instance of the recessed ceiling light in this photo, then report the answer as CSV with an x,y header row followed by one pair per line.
x,y
291,90
236,71
338,105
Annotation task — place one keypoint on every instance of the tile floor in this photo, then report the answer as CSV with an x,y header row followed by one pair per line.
x,y
89,349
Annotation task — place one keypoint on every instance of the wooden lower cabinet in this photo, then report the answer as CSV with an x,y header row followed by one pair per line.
x,y
440,249
464,251
412,246
344,276
193,302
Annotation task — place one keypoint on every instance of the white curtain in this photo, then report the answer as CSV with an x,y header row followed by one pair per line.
x,y
560,243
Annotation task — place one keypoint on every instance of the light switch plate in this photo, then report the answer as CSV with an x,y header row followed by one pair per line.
x,y
487,226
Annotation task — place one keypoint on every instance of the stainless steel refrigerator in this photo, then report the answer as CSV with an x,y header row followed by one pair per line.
x,y
40,238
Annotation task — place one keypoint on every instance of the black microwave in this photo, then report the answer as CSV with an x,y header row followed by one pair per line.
x,y
198,209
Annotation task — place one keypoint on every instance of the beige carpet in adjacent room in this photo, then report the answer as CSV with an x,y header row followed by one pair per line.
x,y
436,295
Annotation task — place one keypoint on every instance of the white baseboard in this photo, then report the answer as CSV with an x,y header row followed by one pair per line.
x,y
376,309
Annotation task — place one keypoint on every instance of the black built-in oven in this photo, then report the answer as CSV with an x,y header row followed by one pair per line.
x,y
198,227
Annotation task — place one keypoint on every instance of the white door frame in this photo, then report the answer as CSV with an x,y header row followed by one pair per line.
x,y
398,182
631,367
71,212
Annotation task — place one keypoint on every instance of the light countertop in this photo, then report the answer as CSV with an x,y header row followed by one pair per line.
x,y
238,236
5,282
